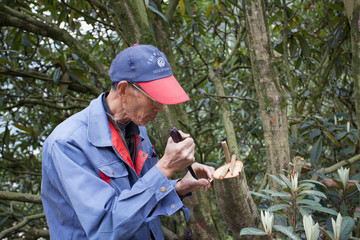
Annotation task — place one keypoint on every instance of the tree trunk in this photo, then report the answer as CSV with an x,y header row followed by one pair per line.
x,y
353,14
235,202
132,21
232,196
271,99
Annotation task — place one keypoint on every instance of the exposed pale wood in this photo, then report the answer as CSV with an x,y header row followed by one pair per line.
x,y
232,164
225,168
226,151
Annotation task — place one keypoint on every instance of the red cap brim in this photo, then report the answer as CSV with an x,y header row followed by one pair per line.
x,y
165,90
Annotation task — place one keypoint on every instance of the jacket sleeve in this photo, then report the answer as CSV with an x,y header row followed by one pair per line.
x,y
102,213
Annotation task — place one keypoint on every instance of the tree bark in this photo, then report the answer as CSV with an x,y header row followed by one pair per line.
x,y
233,197
132,21
236,204
353,14
21,197
271,99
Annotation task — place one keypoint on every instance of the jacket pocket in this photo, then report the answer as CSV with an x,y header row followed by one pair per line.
x,y
114,170
116,175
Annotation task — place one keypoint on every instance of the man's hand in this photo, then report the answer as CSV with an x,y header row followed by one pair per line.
x,y
190,184
177,156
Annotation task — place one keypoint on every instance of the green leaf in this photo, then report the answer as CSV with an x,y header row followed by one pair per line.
x,y
6,136
328,234
304,46
340,135
57,75
4,61
73,75
358,185
21,127
314,133
312,192
356,214
306,186
304,212
332,138
4,219
278,180
322,209
278,194
158,13
263,196
286,180
312,181
308,202
287,231
316,151
26,40
278,207
347,226
252,231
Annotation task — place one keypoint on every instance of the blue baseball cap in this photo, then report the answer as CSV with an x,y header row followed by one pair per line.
x,y
148,67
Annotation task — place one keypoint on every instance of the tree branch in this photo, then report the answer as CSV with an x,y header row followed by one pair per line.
x,y
21,197
21,224
37,233
339,165
222,96
11,17
171,9
85,88
42,103
233,51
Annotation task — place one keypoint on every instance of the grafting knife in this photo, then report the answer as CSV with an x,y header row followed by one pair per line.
x,y
176,137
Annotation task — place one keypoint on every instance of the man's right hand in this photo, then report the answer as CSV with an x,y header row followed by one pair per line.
x,y
177,156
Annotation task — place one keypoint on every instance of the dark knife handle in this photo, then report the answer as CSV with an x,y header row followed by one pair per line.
x,y
176,137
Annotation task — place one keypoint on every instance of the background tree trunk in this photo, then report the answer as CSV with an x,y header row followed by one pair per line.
x,y
353,14
271,99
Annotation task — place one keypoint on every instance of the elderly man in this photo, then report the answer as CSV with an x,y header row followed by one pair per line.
x,y
101,176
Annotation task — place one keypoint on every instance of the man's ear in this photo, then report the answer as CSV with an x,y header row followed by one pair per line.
x,y
121,87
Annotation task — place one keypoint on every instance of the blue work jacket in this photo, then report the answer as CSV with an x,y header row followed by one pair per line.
x,y
92,190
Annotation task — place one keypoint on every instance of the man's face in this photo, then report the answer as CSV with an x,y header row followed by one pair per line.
x,y
139,108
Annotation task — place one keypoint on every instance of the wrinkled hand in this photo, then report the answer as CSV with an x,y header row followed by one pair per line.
x,y
177,156
190,184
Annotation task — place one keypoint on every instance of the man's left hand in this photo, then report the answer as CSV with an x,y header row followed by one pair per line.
x,y
190,184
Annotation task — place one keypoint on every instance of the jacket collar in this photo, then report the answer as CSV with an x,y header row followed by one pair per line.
x,y
99,133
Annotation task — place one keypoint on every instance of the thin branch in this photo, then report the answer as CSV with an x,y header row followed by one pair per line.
x,y
84,88
98,4
21,224
235,97
338,165
87,15
233,51
37,233
21,197
22,103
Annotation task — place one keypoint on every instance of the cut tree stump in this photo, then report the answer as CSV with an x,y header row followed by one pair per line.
x,y
235,201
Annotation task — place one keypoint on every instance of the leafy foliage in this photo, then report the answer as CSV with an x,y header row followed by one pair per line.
x,y
45,78
296,200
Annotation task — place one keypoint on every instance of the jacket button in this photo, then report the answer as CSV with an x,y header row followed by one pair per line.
x,y
172,206
163,189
